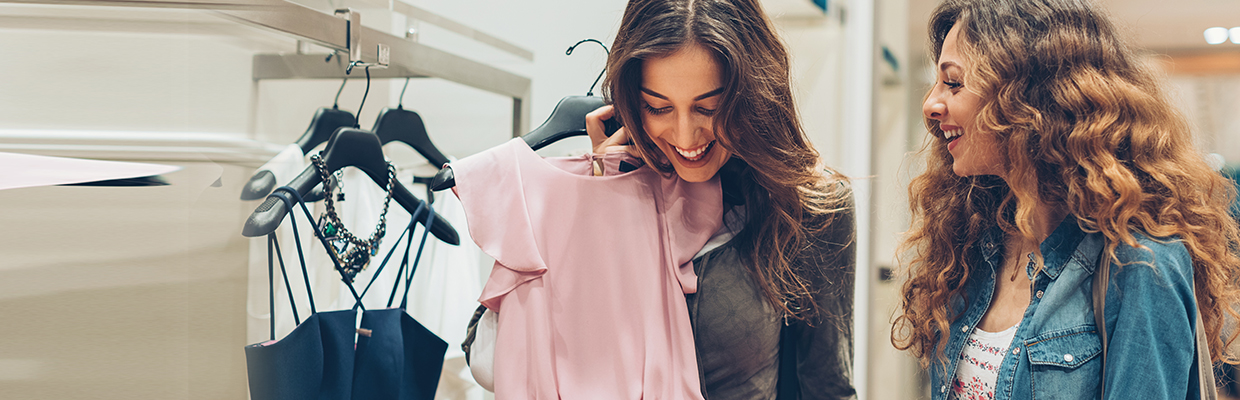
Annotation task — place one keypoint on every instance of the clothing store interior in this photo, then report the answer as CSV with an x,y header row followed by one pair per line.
x,y
187,182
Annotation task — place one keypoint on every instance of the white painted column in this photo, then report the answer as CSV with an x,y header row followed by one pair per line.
x,y
859,88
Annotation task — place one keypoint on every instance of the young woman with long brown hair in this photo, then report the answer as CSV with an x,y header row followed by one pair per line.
x,y
1055,148
702,89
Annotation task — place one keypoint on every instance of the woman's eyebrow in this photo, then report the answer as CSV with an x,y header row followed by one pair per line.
x,y
712,93
653,93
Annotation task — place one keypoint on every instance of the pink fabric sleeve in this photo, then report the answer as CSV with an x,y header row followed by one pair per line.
x,y
502,281
491,193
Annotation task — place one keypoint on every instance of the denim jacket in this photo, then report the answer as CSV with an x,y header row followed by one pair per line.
x,y
1056,353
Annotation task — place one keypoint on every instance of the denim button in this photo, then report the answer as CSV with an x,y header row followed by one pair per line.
x,y
943,389
1067,358
1016,351
964,328
1039,294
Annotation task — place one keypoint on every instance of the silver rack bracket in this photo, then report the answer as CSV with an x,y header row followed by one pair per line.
x,y
353,40
314,66
384,54
353,37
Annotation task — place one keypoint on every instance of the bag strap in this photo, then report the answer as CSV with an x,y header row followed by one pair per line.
x,y
1205,369
404,302
1102,276
273,248
271,285
407,231
289,203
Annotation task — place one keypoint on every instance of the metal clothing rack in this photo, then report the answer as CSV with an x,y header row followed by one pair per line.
x,y
400,57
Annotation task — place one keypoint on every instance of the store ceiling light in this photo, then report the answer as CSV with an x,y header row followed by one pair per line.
x,y
1235,35
1216,35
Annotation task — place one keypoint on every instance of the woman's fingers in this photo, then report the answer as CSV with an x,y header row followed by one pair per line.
x,y
618,142
600,142
594,125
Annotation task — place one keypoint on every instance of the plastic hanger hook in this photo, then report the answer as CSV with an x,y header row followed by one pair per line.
x,y
569,52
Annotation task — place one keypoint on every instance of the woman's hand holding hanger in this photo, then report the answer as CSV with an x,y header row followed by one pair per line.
x,y
601,143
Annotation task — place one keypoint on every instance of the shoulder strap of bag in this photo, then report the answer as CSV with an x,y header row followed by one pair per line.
x,y
1102,276
1205,369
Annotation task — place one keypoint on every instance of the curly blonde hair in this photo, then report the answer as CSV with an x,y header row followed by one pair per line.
x,y
1083,124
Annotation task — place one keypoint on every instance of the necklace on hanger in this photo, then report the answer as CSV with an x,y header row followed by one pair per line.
x,y
350,253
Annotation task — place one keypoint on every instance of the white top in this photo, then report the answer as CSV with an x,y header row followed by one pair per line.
x,y
978,369
284,166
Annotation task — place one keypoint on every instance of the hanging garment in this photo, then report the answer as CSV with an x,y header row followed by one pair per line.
x,y
591,273
443,293
284,166
482,346
394,357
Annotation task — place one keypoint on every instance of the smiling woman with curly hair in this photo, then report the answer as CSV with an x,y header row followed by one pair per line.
x,y
1055,149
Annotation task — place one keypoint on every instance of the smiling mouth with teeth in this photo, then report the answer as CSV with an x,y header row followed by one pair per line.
x,y
953,134
695,154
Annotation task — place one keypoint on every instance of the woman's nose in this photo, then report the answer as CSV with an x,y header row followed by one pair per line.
x,y
933,108
686,129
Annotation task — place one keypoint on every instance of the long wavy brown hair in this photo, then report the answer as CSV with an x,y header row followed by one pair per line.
x,y
1084,124
785,191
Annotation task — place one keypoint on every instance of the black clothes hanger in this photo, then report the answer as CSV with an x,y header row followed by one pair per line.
x,y
348,147
325,121
567,119
401,125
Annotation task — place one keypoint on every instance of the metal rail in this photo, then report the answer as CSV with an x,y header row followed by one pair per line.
x,y
460,29
202,4
406,58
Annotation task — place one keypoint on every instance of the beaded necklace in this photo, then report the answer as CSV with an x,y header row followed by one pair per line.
x,y
350,254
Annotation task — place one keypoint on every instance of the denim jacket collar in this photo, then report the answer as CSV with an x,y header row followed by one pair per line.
x,y
1057,249
1060,246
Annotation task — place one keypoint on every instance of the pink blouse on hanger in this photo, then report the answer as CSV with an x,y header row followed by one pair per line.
x,y
590,273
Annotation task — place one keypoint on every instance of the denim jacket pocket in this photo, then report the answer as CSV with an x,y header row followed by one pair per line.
x,y
1064,361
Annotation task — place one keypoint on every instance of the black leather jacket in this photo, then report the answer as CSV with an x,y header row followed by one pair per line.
x,y
746,351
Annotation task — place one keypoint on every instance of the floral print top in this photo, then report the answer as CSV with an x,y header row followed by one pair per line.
x,y
978,369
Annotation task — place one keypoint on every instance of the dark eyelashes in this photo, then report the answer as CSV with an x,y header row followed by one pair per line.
x,y
660,111
657,111
953,85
